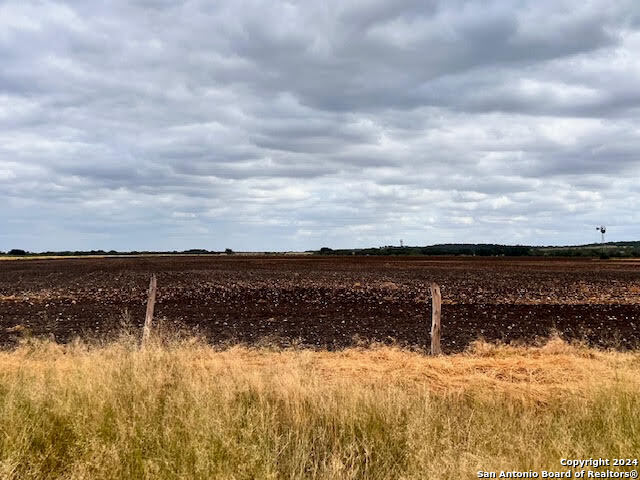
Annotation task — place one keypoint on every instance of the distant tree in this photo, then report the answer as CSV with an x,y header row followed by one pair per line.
x,y
17,252
326,251
228,251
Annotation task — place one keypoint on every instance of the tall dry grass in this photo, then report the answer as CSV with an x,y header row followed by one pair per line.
x,y
182,410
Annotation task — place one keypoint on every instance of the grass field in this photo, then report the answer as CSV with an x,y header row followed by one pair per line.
x,y
180,409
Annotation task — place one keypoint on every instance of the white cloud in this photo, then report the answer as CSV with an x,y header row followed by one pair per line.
x,y
278,125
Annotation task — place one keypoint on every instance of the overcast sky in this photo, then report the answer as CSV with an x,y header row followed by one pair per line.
x,y
168,124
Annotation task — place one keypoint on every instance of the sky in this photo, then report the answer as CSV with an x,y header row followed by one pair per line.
x,y
285,125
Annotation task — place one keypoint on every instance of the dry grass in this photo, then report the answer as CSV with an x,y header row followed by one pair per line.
x,y
182,410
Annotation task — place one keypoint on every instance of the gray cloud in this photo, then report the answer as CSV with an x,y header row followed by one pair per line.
x,y
288,125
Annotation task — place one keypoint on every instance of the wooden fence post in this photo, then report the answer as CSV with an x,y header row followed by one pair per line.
x,y
436,309
151,302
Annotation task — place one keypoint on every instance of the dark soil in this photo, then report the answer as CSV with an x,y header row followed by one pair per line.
x,y
327,302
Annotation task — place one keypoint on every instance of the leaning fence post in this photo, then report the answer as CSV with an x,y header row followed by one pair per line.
x,y
151,302
436,308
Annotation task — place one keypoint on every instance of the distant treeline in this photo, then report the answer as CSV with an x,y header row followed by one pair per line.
x,y
610,249
17,252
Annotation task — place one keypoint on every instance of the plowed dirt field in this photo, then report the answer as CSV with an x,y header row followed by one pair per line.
x,y
327,302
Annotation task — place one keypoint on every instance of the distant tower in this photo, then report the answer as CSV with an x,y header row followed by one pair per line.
x,y
401,243
602,229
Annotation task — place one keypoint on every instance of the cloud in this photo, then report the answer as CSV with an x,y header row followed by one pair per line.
x,y
288,125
